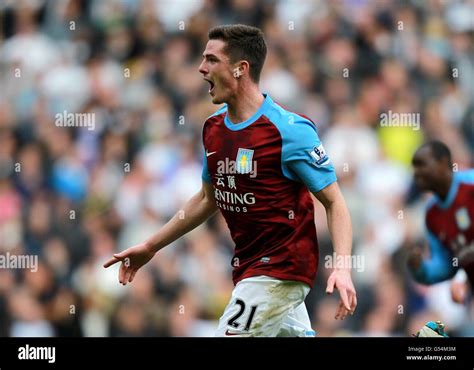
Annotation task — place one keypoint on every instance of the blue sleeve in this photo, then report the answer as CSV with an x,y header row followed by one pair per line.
x,y
205,172
303,156
439,267
466,176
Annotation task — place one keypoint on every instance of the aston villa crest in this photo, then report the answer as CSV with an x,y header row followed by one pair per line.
x,y
244,160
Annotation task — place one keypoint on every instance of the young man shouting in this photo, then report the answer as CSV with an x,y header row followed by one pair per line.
x,y
261,163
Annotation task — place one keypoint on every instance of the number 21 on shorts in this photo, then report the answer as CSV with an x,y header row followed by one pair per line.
x,y
233,321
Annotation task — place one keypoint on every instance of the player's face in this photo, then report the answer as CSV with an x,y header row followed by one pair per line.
x,y
428,170
218,71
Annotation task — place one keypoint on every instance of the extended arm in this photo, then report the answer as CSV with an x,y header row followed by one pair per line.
x,y
197,210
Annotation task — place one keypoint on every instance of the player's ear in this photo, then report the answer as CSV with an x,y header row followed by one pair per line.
x,y
237,72
240,68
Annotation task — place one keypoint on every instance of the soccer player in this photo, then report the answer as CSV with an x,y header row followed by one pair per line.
x,y
261,163
449,219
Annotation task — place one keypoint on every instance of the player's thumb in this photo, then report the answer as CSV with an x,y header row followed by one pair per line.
x,y
330,286
120,255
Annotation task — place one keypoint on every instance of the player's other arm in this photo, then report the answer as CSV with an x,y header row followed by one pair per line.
x,y
437,268
340,228
197,210
304,159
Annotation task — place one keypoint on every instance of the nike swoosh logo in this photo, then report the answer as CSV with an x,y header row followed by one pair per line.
x,y
208,154
227,332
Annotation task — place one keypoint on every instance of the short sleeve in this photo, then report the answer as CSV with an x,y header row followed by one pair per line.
x,y
304,157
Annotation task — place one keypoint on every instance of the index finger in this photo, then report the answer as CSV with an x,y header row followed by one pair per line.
x,y
111,262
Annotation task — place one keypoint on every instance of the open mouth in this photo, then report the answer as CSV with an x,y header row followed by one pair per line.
x,y
211,85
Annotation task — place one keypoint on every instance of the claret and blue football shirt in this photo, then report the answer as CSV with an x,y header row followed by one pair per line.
x,y
450,228
261,170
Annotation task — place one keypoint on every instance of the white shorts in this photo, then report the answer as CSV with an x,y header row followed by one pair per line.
x,y
262,306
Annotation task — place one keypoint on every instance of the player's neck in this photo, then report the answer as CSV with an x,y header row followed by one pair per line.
x,y
443,190
248,102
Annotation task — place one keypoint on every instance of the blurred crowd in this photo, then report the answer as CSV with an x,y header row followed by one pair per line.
x,y
74,195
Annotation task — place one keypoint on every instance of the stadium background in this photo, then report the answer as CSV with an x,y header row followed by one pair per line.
x,y
81,194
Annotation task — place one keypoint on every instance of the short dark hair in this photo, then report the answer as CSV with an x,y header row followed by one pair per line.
x,y
439,150
243,42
